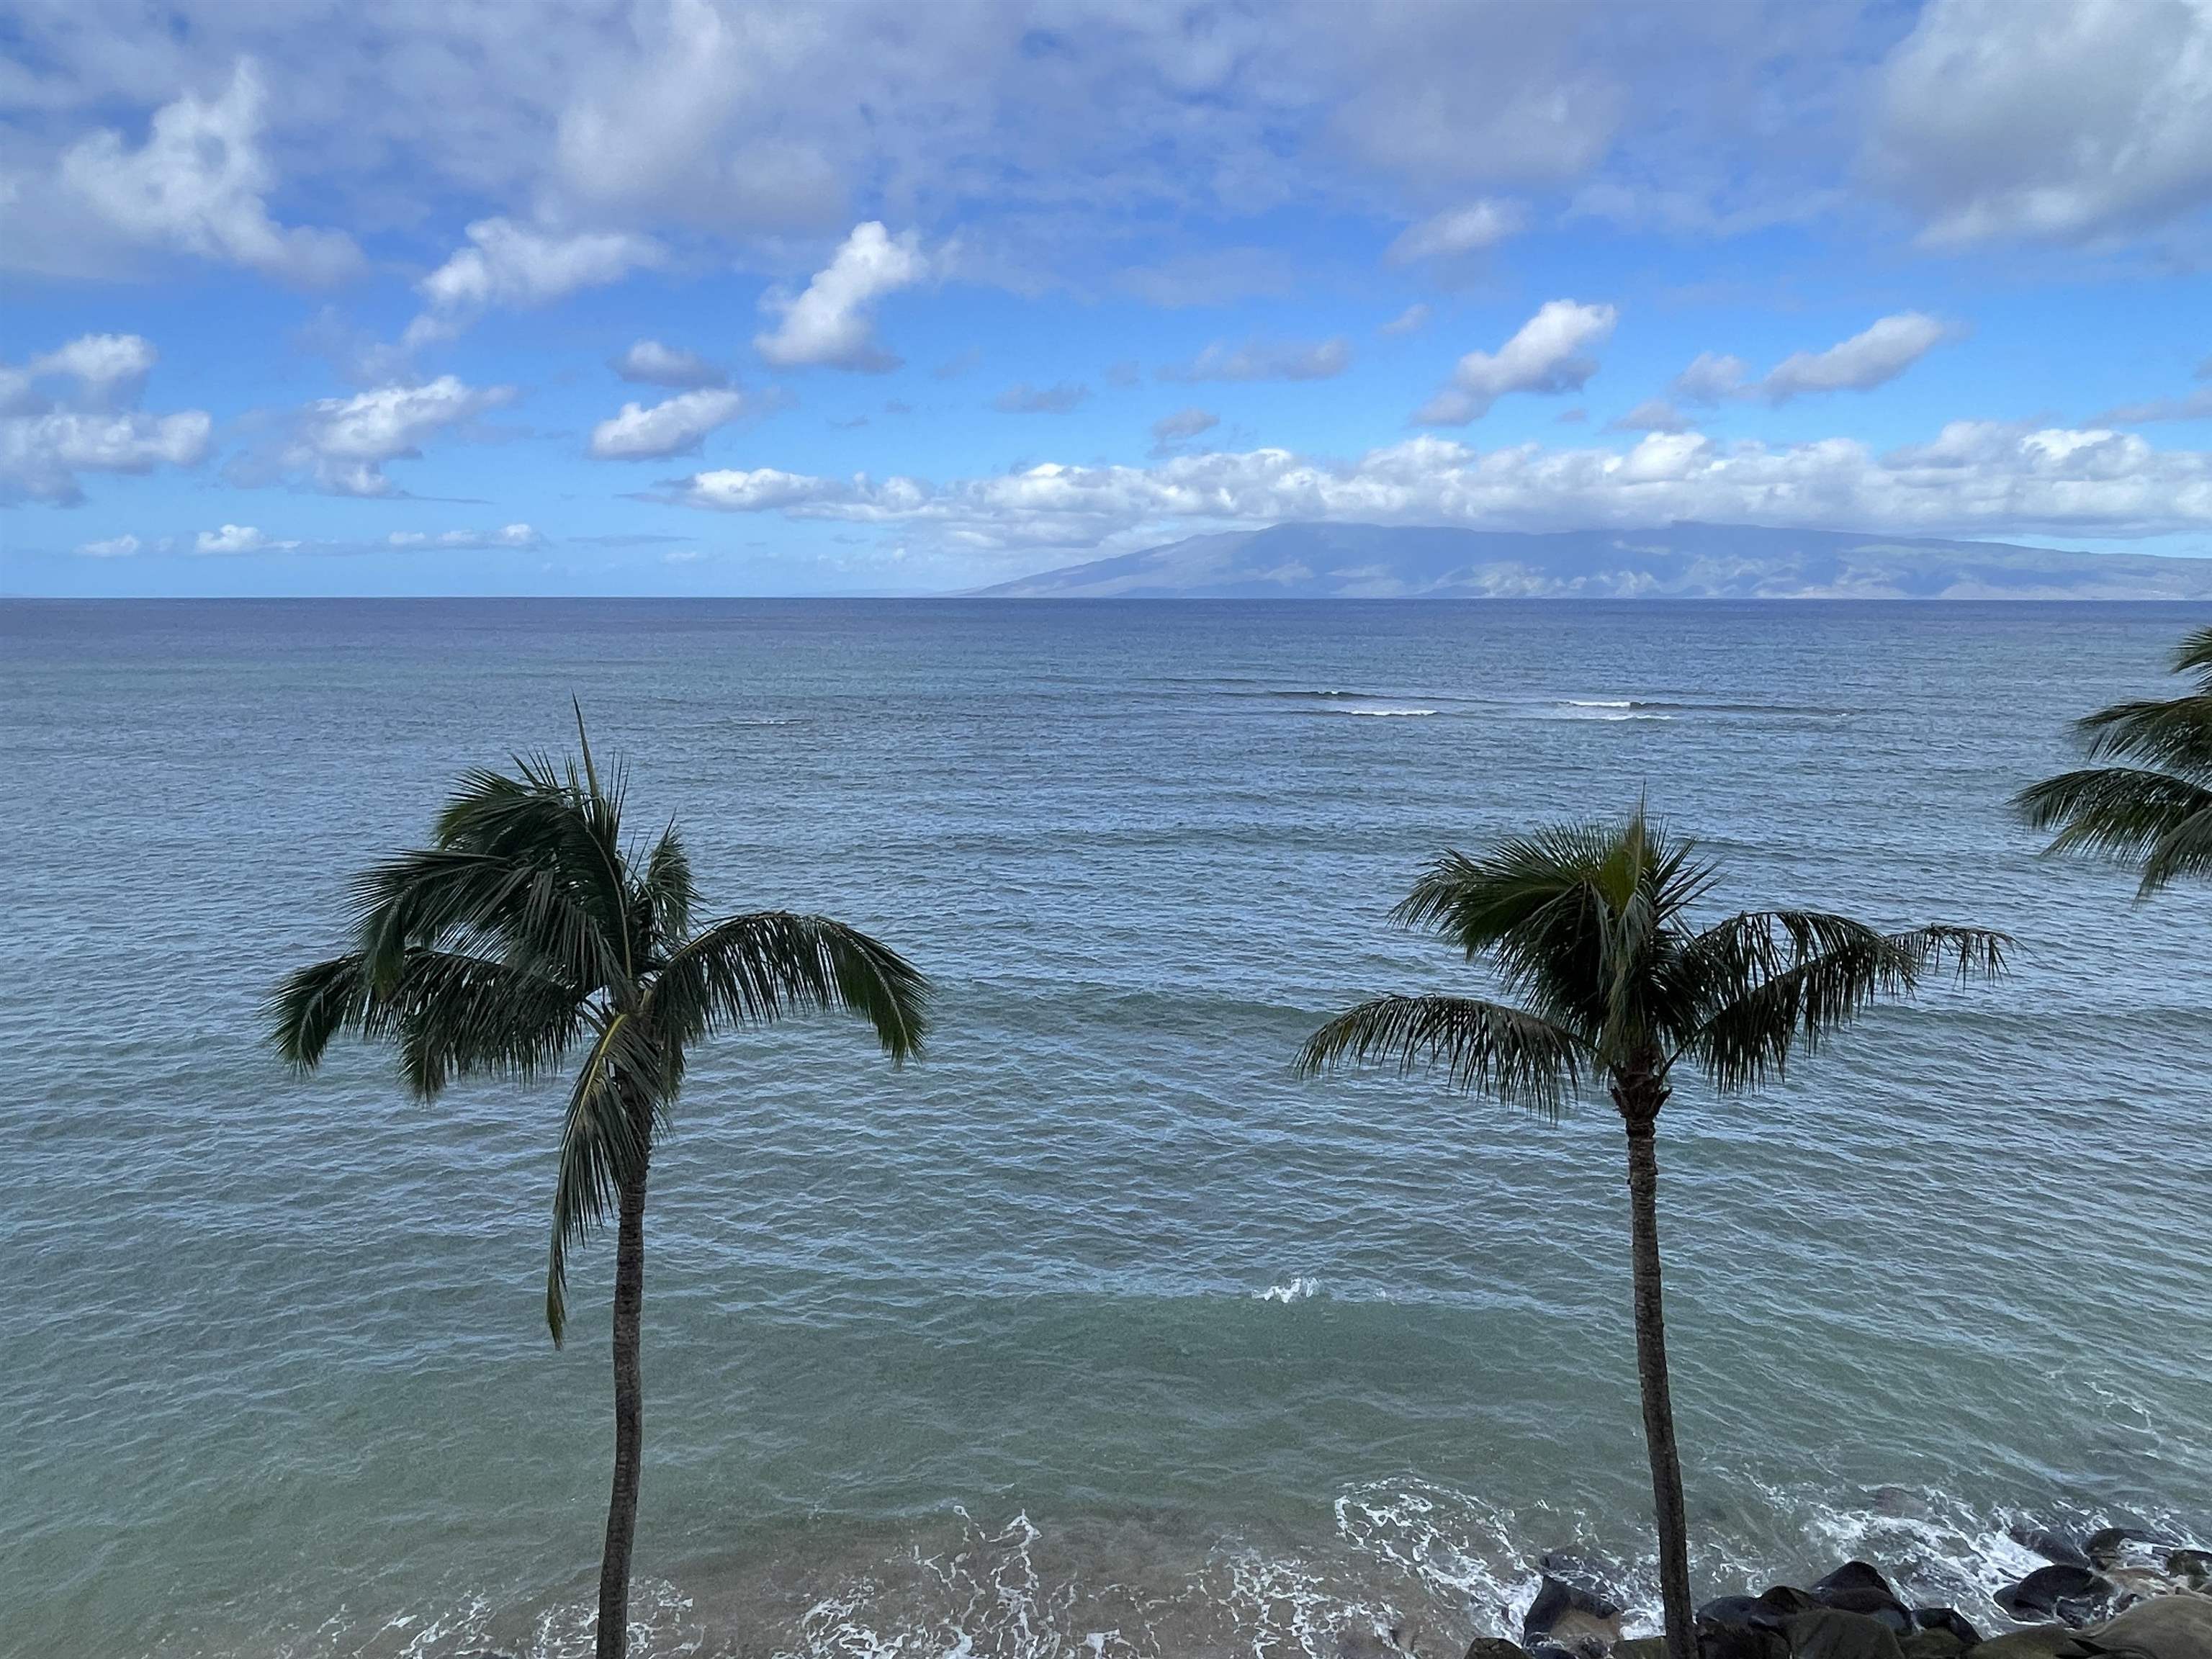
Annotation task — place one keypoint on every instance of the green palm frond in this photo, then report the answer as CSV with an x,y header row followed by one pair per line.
x,y
605,1140
1835,967
666,888
2173,733
2157,813
2127,814
316,1003
1484,1047
750,970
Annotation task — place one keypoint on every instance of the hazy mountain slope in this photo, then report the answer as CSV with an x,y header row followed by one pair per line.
x,y
1685,561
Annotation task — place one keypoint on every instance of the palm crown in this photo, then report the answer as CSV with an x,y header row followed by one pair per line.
x,y
529,925
1587,928
2155,807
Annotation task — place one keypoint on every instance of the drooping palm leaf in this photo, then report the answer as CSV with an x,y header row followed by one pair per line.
x,y
750,969
1505,1053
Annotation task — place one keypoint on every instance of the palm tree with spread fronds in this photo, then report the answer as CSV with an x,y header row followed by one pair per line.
x,y
530,929
1587,928
2151,806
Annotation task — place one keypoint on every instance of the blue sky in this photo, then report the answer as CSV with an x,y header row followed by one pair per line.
x,y
672,297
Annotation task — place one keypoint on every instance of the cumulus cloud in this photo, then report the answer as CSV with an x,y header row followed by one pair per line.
x,y
114,547
343,444
1547,354
50,435
1872,357
832,324
110,369
2065,124
648,363
199,184
670,427
1412,320
1262,360
507,263
1456,232
239,539
1023,399
1972,478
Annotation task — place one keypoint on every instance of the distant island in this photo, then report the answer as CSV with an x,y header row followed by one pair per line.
x,y
1681,561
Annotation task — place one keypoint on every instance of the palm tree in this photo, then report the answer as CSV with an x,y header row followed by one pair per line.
x,y
2155,810
1587,926
530,927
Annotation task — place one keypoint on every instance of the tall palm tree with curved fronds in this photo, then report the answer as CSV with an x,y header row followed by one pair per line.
x,y
1587,927
2153,807
529,929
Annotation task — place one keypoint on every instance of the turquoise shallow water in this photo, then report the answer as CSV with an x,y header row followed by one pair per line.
x,y
1098,1332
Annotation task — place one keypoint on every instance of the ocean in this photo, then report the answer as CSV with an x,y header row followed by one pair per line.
x,y
1096,1332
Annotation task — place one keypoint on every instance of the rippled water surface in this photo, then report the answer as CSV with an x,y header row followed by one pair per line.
x,y
1098,1332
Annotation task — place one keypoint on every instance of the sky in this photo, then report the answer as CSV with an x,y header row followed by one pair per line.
x,y
673,296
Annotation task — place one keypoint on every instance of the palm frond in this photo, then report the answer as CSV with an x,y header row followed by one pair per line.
x,y
2194,656
666,888
525,912
605,1140
1505,1053
2126,813
457,1015
314,1004
2173,733
753,968
1832,969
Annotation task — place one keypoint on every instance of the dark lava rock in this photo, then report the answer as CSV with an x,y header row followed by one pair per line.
x,y
2112,1546
1833,1633
1641,1647
1858,1586
2192,1567
1949,1620
1587,1573
2165,1627
1570,1618
2059,1545
1931,1644
1495,1646
2072,1596
1771,1610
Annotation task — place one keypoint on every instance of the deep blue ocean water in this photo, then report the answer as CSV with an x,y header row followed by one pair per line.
x,y
1098,1332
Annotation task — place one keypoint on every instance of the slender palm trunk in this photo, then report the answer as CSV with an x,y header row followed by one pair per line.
x,y
622,1507
1639,1104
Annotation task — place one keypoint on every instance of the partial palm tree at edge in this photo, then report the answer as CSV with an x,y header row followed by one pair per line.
x,y
2155,811
528,928
1585,924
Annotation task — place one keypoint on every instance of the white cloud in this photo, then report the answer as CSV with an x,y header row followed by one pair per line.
x,y
115,547
510,265
1262,360
344,443
1413,318
1023,399
508,536
199,183
1546,355
1711,378
43,447
1873,357
1974,478
239,539
2060,123
668,427
648,363
1184,423
1456,232
832,324
110,369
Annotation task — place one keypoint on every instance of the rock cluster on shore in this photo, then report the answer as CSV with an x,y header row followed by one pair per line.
x,y
2114,1593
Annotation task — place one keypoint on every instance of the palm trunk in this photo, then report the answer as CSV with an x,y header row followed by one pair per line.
x,y
622,1507
1641,1118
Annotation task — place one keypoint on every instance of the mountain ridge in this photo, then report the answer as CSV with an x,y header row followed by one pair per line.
x,y
1679,560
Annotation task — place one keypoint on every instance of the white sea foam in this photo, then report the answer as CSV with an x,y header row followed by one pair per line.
x,y
1294,1290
